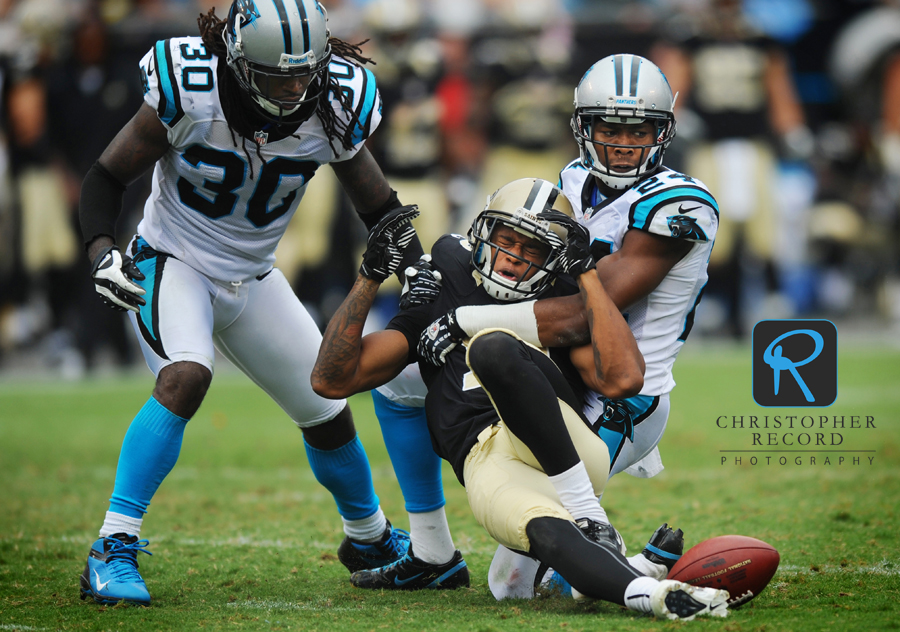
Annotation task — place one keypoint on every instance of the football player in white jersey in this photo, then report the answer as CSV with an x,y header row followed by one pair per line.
x,y
652,231
235,123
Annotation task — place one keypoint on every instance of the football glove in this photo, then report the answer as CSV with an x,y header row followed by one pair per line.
x,y
114,277
422,285
387,241
440,338
576,258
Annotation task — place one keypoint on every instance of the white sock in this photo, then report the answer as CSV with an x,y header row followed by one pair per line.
x,y
430,536
120,523
576,493
367,530
642,565
637,594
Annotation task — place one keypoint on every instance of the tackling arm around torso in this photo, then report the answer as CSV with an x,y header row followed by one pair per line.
x,y
628,275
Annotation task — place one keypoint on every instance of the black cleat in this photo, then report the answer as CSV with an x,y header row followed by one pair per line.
x,y
665,546
602,533
359,556
411,573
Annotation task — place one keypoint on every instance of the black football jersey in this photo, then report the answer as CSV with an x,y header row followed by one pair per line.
x,y
458,409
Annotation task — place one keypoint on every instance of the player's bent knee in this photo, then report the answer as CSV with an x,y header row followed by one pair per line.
x,y
181,387
490,354
332,434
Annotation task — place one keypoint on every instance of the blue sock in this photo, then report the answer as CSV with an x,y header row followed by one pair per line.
x,y
345,473
417,467
149,452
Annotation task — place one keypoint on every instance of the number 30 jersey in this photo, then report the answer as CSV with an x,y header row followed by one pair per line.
x,y
215,205
670,204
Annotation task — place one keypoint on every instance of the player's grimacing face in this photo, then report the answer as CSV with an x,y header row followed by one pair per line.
x,y
631,137
528,248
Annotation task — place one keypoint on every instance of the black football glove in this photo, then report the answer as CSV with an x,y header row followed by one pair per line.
x,y
422,285
577,258
440,338
387,241
114,275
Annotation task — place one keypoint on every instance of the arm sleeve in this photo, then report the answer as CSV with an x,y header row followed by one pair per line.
x,y
100,204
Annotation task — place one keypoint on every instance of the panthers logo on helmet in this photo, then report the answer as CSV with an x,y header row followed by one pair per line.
x,y
685,227
246,8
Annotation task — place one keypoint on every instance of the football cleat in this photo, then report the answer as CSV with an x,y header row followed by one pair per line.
x,y
111,573
360,556
602,533
411,573
665,546
677,600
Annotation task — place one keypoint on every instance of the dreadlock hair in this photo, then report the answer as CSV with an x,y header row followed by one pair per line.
x,y
212,30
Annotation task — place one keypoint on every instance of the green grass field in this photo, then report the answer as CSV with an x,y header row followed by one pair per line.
x,y
243,538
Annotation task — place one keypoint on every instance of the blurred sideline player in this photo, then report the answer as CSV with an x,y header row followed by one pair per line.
x,y
235,123
652,231
502,412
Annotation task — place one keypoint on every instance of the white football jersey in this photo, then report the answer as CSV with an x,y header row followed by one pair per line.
x,y
670,204
214,204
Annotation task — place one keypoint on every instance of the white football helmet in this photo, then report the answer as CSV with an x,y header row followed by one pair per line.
x,y
623,89
517,205
273,41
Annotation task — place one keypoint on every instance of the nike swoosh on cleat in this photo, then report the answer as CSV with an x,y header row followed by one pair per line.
x,y
403,582
99,585
681,209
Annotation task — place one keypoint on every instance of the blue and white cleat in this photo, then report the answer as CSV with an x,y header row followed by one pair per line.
x,y
111,573
359,556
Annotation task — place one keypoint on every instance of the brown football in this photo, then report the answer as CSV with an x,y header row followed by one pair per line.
x,y
739,564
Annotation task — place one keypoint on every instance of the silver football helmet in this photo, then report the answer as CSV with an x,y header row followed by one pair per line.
x,y
624,89
279,52
517,205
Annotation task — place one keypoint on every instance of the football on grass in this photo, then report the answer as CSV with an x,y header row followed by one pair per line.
x,y
739,564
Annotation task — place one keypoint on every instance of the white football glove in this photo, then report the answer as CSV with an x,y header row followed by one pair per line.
x,y
114,275
422,284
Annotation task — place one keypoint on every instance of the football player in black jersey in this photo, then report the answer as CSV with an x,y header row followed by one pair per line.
x,y
502,411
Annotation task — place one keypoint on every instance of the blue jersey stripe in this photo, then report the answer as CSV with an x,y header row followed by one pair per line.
x,y
642,211
365,107
169,110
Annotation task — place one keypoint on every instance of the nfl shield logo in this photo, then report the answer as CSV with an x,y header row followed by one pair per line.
x,y
261,138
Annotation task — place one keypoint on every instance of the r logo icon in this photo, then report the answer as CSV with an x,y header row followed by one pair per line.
x,y
795,363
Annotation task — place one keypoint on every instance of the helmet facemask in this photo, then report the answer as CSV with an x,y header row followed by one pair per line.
x,y
485,252
595,155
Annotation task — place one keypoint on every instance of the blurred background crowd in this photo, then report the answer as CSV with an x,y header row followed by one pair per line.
x,y
789,110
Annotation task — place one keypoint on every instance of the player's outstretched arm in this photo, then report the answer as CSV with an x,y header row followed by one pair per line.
x,y
348,363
